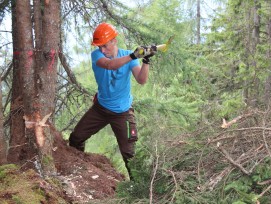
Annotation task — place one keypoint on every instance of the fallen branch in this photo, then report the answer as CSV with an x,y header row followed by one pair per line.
x,y
216,179
236,130
234,163
226,124
175,143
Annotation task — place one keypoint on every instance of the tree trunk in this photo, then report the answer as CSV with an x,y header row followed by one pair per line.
x,y
267,88
21,148
247,37
47,80
255,92
198,22
36,72
252,85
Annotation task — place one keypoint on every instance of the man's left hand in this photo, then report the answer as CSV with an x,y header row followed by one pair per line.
x,y
152,50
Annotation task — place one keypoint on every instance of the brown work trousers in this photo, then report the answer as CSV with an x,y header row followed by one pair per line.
x,y
96,118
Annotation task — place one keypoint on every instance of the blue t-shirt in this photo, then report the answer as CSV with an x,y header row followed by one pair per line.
x,y
114,86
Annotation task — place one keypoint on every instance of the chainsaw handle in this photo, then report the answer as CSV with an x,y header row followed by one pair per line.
x,y
162,47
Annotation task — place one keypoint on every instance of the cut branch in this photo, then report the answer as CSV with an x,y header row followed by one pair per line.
x,y
226,124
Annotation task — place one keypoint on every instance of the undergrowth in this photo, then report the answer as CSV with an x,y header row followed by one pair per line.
x,y
211,165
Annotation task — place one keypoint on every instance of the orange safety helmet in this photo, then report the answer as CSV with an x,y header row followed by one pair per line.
x,y
103,34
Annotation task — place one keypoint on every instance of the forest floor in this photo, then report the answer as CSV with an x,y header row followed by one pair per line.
x,y
81,178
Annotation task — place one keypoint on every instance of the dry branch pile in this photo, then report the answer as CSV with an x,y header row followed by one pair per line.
x,y
214,156
242,144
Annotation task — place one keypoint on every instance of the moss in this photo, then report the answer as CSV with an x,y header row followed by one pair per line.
x,y
26,187
46,160
4,169
38,190
17,199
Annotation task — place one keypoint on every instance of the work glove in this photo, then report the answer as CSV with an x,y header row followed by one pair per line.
x,y
153,51
140,52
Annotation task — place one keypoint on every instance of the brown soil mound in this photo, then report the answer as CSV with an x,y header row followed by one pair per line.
x,y
84,176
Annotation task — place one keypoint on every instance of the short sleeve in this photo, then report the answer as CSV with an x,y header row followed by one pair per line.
x,y
96,55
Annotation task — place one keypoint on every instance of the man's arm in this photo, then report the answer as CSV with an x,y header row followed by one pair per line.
x,y
113,64
141,73
116,63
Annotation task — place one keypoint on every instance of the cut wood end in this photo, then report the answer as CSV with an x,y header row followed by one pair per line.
x,y
224,124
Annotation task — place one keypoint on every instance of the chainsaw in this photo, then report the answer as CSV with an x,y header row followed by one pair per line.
x,y
162,47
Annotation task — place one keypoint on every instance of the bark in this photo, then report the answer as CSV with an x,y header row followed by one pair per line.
x,y
22,85
38,33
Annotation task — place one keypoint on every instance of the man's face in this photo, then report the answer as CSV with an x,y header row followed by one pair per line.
x,y
108,48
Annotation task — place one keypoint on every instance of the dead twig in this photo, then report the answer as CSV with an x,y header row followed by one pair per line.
x,y
175,182
266,190
265,140
154,172
15,146
264,182
256,164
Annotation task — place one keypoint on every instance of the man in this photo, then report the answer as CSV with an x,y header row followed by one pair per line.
x,y
112,104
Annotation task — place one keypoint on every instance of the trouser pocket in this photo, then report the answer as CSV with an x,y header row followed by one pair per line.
x,y
131,126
